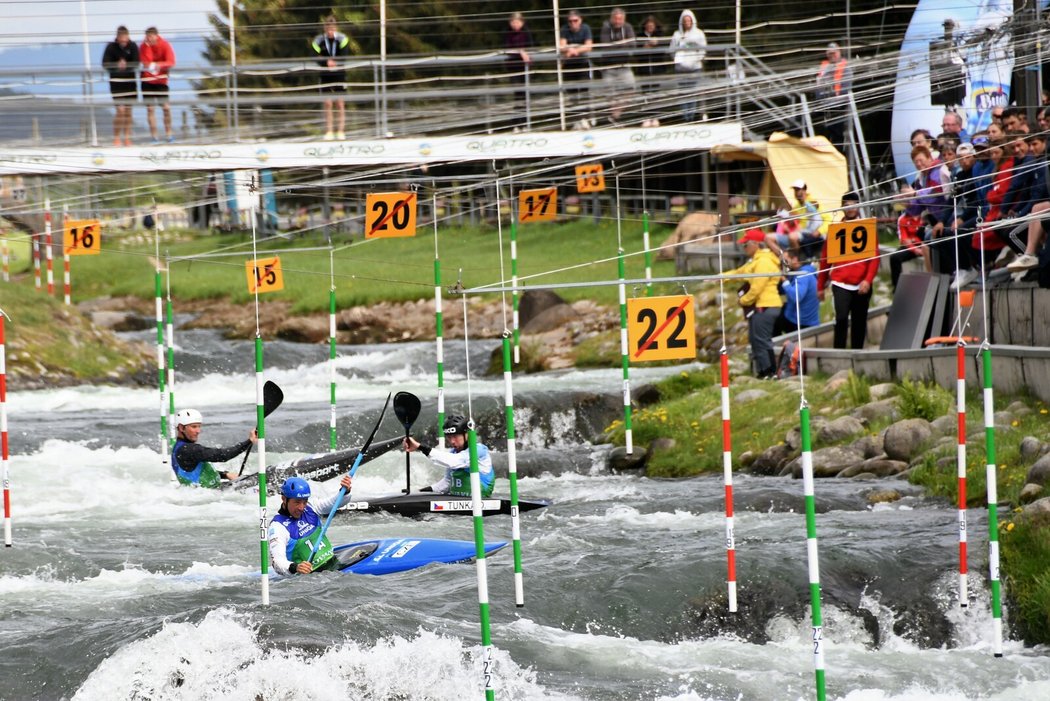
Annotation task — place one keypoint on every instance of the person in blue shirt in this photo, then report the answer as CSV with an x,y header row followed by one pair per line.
x,y
800,288
456,461
192,462
295,529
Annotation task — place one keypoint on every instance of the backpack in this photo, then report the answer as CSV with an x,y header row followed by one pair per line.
x,y
788,364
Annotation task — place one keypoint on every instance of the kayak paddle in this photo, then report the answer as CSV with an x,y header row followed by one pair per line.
x,y
342,490
272,398
406,408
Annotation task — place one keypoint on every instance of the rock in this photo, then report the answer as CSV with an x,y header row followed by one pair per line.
x,y
535,302
1039,472
746,459
883,496
837,381
793,438
883,390
874,411
693,227
869,446
1037,507
863,476
750,395
1031,448
662,445
1019,408
121,321
645,395
303,329
945,425
828,462
769,461
839,429
550,319
1004,420
903,439
879,467
619,460
1030,492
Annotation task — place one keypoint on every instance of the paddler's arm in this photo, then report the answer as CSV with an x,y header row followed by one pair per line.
x,y
278,538
192,454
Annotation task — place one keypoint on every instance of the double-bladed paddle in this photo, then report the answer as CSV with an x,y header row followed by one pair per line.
x,y
406,408
342,490
272,398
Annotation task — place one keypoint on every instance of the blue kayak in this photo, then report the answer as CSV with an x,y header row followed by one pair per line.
x,y
388,555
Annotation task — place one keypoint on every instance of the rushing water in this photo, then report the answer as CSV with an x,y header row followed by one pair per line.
x,y
123,586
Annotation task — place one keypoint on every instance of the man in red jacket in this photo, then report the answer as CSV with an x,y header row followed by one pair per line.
x,y
850,285
157,58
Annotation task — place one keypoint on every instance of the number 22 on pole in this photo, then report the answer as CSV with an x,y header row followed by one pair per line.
x,y
661,328
538,205
264,275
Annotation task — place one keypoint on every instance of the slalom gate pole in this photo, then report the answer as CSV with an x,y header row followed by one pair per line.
x,y
66,292
170,384
5,261
811,551
993,508
727,472
648,255
260,426
36,253
514,297
49,254
624,350
5,457
960,460
482,568
512,475
333,441
439,327
165,457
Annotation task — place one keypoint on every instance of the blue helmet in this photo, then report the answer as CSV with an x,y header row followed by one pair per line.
x,y
295,488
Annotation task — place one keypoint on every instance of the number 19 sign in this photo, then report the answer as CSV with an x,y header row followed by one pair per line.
x,y
661,328
82,237
264,275
852,240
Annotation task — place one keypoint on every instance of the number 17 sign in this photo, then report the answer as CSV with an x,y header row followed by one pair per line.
x,y
264,275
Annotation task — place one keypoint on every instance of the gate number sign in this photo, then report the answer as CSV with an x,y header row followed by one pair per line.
x,y
538,205
390,215
264,275
852,240
82,237
661,328
590,177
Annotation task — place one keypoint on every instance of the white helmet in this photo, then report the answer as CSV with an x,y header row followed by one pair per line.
x,y
187,417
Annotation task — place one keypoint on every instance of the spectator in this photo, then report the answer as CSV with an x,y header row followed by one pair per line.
x,y
803,228
759,293
927,206
121,59
988,239
1014,119
574,44
1028,235
996,131
801,307
1042,118
517,40
332,45
962,217
649,39
921,137
834,82
1021,178
850,286
157,58
617,79
689,46
952,124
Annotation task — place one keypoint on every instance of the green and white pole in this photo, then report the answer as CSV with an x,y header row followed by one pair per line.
x,y
333,442
170,329
482,568
512,474
260,427
439,331
158,289
993,509
624,351
514,302
811,550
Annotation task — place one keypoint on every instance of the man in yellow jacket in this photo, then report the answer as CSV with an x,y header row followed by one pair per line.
x,y
761,294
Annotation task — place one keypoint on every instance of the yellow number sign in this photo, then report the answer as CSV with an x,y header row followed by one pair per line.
x,y
852,240
82,237
264,275
590,178
538,205
390,215
661,328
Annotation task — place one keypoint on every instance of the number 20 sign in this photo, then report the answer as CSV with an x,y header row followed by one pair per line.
x,y
661,328
264,275
82,237
390,215
852,240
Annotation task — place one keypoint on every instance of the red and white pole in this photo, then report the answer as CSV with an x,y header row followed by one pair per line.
x,y
6,260
66,286
36,258
727,470
47,250
3,437
960,410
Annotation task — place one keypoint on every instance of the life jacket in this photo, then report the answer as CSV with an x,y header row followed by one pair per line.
x,y
203,474
840,70
459,479
302,534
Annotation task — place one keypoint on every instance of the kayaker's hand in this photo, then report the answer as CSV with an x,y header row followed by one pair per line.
x,y
304,568
345,482
253,436
410,444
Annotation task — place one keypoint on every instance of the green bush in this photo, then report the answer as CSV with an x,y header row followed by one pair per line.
x,y
919,400
858,389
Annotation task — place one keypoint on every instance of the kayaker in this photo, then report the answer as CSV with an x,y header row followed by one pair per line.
x,y
191,461
290,554
456,460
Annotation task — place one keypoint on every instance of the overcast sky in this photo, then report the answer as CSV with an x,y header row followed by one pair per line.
x,y
34,23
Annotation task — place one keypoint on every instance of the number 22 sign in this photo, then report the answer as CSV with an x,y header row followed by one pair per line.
x,y
264,275
661,328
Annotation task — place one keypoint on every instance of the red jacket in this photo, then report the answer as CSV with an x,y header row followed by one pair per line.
x,y
1000,184
852,273
161,54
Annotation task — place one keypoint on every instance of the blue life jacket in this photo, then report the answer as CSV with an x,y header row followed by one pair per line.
x,y
302,534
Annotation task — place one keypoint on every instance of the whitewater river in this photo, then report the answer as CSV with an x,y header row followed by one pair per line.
x,y
124,586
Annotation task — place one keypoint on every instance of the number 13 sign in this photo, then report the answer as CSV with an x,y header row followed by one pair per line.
x,y
264,275
661,328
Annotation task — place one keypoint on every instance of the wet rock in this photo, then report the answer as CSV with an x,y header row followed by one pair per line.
x,y
883,390
550,319
1030,492
828,462
1031,448
645,395
880,467
769,461
870,446
303,329
883,496
709,616
619,460
535,302
904,439
839,429
121,321
1039,472
862,475
875,411
923,625
746,459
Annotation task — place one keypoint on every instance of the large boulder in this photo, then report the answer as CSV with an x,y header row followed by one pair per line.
x,y
870,446
695,227
904,439
303,329
771,460
1038,507
1039,472
535,302
550,319
793,438
828,462
619,460
1031,448
839,429
121,321
879,467
874,411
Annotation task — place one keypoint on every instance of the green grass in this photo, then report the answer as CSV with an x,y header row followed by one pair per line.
x,y
1025,554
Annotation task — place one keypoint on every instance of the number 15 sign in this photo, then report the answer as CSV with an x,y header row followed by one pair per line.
x,y
264,275
661,328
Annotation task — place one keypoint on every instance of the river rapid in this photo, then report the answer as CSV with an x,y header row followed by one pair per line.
x,y
121,585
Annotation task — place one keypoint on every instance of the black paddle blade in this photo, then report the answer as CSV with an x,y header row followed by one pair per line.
x,y
272,397
406,408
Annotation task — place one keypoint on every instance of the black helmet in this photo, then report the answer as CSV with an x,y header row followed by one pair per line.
x,y
455,424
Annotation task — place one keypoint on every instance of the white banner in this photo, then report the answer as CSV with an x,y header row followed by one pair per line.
x,y
379,152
